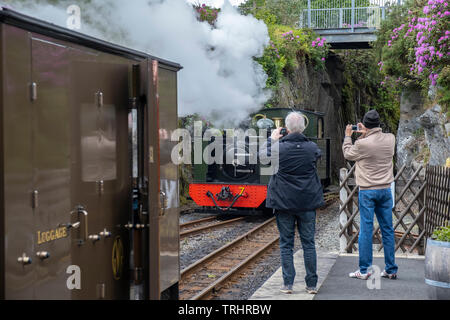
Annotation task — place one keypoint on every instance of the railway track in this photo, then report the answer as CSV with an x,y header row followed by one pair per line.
x,y
202,279
201,225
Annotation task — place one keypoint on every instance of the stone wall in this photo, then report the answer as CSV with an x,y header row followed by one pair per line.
x,y
319,90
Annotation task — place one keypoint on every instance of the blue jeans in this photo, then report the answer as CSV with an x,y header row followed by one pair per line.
x,y
306,222
380,203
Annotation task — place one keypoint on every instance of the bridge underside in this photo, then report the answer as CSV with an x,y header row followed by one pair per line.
x,y
360,38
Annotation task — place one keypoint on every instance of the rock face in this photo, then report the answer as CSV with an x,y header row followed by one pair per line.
x,y
409,134
319,90
436,136
422,136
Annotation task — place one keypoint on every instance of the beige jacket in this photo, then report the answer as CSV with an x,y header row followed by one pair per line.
x,y
373,154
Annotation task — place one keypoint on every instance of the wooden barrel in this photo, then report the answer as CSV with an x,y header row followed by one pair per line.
x,y
437,269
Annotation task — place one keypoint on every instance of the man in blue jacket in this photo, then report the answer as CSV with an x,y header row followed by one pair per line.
x,y
295,192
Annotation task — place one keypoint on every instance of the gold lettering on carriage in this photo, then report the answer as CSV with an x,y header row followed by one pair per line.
x,y
51,235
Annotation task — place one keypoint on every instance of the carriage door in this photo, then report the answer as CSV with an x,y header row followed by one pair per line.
x,y
101,170
169,219
51,167
159,86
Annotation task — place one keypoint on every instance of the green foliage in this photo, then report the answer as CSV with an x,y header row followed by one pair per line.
x,y
442,234
366,88
206,13
287,12
444,92
286,49
284,12
396,57
288,46
413,43
267,16
273,64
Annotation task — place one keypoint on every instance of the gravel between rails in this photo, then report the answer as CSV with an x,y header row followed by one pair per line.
x,y
198,246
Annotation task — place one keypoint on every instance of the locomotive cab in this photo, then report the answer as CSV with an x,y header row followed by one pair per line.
x,y
241,175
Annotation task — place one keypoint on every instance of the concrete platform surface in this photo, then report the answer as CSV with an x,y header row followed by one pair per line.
x,y
335,284
270,290
410,284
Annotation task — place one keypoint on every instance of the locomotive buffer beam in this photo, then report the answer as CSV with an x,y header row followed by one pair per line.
x,y
225,194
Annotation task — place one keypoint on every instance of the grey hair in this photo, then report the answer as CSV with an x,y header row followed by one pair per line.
x,y
295,122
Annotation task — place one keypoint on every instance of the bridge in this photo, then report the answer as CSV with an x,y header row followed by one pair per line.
x,y
345,24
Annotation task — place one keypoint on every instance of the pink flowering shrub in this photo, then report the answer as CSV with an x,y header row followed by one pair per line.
x,y
294,44
287,47
415,43
206,13
320,49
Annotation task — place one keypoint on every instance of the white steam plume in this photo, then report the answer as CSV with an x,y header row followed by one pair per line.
x,y
220,79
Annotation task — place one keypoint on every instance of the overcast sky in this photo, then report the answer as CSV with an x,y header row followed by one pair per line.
x,y
216,3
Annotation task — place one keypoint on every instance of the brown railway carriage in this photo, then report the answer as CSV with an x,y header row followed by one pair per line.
x,y
88,197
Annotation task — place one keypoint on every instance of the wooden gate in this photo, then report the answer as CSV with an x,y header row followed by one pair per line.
x,y
408,211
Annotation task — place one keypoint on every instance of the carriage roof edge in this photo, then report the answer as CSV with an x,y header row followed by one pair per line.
x,y
17,19
318,113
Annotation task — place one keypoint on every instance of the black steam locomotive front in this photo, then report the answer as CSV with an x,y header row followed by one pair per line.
x,y
237,179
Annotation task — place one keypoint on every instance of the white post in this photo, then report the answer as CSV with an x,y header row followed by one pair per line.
x,y
393,194
353,15
343,216
309,13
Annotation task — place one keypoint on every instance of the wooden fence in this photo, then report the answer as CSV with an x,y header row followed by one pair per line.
x,y
437,198
411,228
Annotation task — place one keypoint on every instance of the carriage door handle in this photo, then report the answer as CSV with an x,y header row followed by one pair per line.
x,y
163,200
80,210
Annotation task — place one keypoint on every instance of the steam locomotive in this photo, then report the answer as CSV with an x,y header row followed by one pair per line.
x,y
88,206
240,187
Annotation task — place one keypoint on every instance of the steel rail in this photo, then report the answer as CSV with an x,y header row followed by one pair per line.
x,y
190,223
189,269
213,287
201,229
198,265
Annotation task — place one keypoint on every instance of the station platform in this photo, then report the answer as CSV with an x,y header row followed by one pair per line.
x,y
335,284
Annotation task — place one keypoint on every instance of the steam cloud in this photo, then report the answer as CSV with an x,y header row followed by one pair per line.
x,y
220,79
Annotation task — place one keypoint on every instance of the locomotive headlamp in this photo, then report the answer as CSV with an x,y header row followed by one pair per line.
x,y
265,123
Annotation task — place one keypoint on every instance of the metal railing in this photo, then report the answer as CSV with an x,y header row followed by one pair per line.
x,y
344,14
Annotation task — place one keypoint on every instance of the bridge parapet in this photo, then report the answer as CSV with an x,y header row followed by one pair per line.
x,y
345,21
344,14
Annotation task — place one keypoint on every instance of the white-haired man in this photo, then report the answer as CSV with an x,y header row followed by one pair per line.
x,y
295,192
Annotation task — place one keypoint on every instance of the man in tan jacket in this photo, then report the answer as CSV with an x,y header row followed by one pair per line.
x,y
373,153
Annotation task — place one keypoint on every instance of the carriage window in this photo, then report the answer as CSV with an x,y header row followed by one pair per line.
x,y
320,131
98,142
